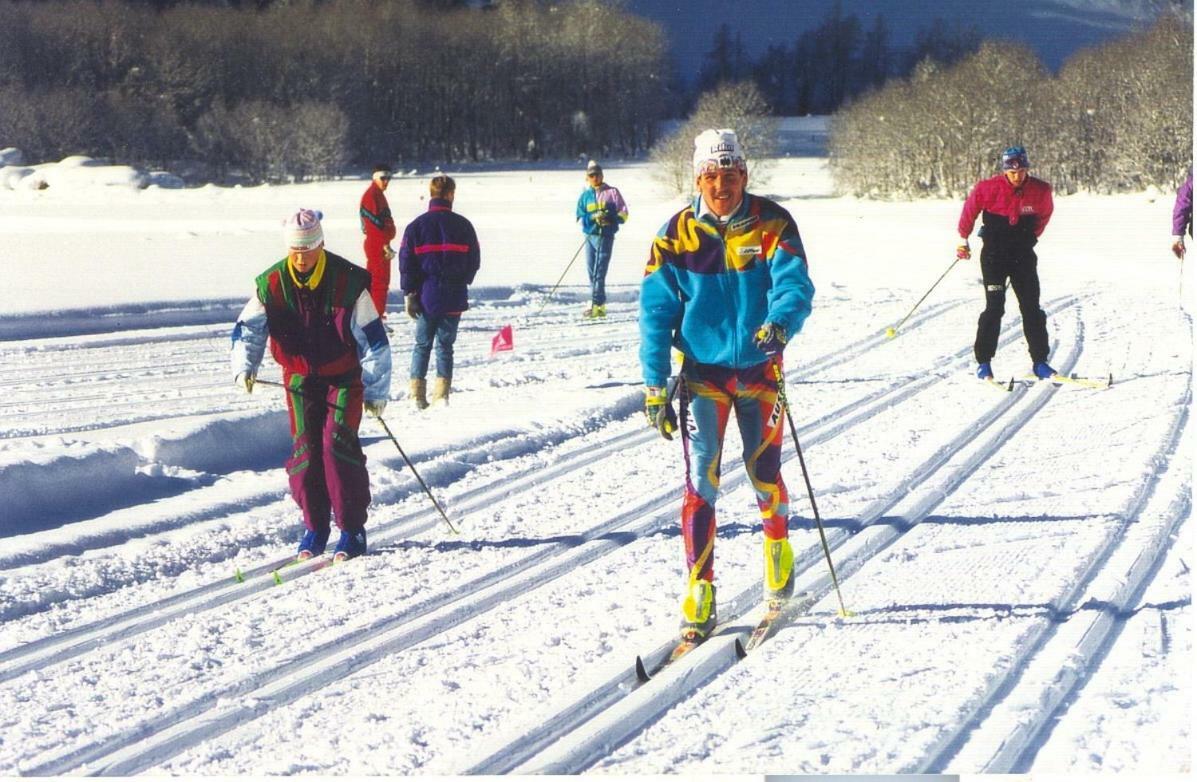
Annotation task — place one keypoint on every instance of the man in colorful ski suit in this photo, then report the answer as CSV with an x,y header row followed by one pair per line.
x,y
601,210
325,333
438,258
379,228
1015,208
726,284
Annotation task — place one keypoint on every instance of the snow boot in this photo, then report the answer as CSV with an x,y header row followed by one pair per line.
x,y
779,569
440,390
698,611
1043,370
312,544
984,371
351,544
418,393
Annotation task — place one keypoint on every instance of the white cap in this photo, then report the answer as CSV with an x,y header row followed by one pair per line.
x,y
302,231
718,149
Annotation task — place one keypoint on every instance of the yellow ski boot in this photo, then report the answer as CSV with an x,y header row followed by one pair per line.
x,y
698,611
779,569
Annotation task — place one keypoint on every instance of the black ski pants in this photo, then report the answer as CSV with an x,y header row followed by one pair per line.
x,y
1022,269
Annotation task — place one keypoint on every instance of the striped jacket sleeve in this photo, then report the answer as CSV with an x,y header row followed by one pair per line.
x,y
373,347
249,338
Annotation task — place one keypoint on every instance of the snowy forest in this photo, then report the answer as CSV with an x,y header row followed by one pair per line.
x,y
1117,117
163,84
328,89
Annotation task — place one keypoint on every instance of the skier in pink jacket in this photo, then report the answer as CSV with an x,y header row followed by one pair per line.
x,y
1014,208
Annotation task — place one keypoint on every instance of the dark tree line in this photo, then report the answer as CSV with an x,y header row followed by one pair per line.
x,y
305,88
831,63
1116,117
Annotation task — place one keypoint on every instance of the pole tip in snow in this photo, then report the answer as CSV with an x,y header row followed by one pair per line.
x,y
891,332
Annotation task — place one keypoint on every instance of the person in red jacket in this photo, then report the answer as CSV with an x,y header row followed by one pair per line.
x,y
379,228
1015,208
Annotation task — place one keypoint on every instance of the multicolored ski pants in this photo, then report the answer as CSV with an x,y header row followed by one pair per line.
x,y
709,395
327,469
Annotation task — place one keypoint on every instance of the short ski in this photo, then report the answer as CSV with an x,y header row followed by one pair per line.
x,y
761,631
1074,381
775,610
240,576
684,647
999,385
1084,382
317,563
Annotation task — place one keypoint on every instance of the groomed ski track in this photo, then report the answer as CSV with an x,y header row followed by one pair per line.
x,y
577,737
438,614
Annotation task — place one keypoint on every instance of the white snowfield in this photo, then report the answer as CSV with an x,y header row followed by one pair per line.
x,y
1017,564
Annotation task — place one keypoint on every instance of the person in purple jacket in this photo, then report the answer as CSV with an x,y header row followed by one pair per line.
x,y
1182,217
438,259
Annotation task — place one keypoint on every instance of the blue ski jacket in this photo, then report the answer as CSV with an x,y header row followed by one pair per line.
x,y
708,286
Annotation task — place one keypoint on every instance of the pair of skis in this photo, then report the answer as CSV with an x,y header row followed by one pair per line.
x,y
775,611
279,568
1057,379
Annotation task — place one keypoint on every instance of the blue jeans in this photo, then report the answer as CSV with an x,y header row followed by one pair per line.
x,y
598,257
444,329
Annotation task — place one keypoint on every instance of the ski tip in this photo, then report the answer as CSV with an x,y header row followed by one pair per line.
x,y
891,332
278,579
1110,380
239,577
844,613
741,652
1010,385
641,671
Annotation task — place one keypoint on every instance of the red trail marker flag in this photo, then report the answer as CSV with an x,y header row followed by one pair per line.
x,y
502,341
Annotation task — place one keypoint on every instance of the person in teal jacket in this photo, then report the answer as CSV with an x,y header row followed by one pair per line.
x,y
601,210
727,285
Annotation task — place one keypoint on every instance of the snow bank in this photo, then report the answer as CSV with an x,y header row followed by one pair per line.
x,y
67,482
78,172
224,445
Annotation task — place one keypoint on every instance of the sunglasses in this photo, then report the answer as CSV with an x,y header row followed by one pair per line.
x,y
385,177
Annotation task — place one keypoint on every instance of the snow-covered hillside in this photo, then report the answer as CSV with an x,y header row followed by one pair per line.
x,y
1017,563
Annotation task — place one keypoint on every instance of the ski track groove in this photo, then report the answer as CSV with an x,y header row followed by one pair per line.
x,y
1006,685
623,708
260,578
287,692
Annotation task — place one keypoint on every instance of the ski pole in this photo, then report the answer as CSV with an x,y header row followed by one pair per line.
x,y
781,395
1180,283
562,277
386,428
427,491
892,331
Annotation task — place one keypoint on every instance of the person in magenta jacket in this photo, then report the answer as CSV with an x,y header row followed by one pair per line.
x,y
1015,208
1182,217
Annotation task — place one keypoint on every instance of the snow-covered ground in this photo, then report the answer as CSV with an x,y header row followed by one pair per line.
x,y
1018,564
